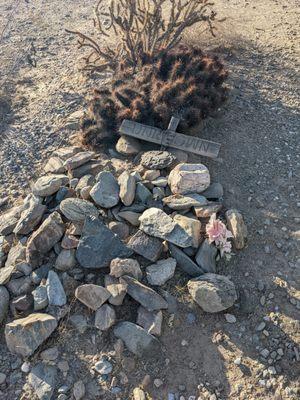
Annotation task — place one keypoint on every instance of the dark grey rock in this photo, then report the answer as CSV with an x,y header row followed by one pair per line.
x,y
9,220
76,210
4,302
214,191
146,246
157,159
151,321
206,256
137,340
180,202
144,295
20,286
184,262
42,378
16,254
142,194
90,168
99,245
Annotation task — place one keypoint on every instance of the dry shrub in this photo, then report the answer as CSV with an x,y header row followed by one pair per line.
x,y
183,82
154,76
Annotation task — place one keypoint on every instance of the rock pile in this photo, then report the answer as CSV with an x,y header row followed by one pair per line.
x,y
103,230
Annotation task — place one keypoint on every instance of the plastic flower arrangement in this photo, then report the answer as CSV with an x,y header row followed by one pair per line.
x,y
218,233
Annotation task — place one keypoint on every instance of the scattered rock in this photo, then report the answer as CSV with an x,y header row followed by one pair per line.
x,y
131,217
179,202
206,256
54,166
48,185
142,195
16,254
66,152
79,322
20,286
212,292
159,273
78,159
50,354
125,266
42,378
65,260
127,185
144,295
137,340
76,210
55,291
191,226
230,318
2,378
103,367
40,298
189,178
157,159
98,245
119,228
151,321
105,317
146,246
44,238
90,168
184,262
25,335
181,156
30,216
128,146
93,296
9,220
208,210
160,182
106,191
237,227
4,302
150,175
157,223
118,292
214,191
78,390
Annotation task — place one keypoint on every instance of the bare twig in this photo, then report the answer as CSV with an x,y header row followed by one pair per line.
x,y
137,29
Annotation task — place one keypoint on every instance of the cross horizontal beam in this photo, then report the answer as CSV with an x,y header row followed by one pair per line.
x,y
170,138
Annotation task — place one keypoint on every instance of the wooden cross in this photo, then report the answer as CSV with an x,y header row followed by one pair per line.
x,y
170,137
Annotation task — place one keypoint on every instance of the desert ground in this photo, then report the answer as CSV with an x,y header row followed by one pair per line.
x,y
204,355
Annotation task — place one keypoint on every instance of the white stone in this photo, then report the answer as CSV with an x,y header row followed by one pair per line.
x,y
189,178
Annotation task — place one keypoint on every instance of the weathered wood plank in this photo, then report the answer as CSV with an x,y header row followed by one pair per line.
x,y
170,138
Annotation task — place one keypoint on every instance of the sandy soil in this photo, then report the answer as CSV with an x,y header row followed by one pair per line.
x,y
259,168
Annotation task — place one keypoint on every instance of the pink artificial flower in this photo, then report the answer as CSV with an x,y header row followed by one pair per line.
x,y
218,233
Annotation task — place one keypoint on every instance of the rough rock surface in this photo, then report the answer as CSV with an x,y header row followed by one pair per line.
x,y
99,245
48,185
156,159
158,274
237,227
44,238
93,296
206,257
31,216
55,291
105,192
105,317
4,302
180,202
25,335
76,210
184,261
189,178
144,295
146,246
127,185
213,293
192,227
125,266
128,146
137,340
157,223
151,321
42,378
